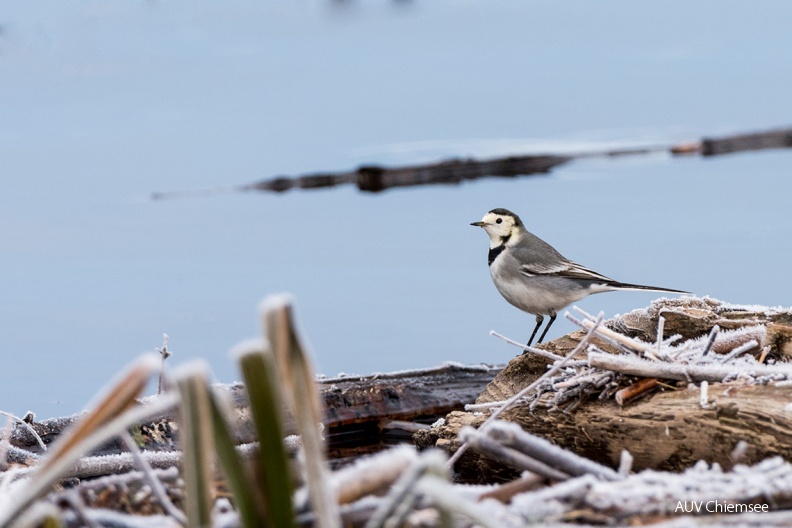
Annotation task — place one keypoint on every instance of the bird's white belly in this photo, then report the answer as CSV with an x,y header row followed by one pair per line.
x,y
538,294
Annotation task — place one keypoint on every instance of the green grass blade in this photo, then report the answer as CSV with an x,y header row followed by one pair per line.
x,y
300,391
248,498
273,473
197,443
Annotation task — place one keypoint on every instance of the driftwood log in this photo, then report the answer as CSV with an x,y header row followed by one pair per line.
x,y
357,409
665,427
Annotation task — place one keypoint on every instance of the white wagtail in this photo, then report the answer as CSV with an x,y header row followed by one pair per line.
x,y
536,278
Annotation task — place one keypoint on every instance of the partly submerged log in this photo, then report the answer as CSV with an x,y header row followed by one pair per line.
x,y
404,395
667,426
357,407
773,139
376,178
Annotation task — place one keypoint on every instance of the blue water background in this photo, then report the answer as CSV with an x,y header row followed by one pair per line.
x,y
102,103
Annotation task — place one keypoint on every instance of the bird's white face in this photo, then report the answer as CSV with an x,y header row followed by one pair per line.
x,y
497,226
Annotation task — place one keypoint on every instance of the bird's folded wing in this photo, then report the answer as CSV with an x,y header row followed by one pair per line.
x,y
567,269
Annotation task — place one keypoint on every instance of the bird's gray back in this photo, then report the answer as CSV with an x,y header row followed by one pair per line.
x,y
534,252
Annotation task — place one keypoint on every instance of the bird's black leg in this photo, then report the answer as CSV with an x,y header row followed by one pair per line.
x,y
549,324
539,320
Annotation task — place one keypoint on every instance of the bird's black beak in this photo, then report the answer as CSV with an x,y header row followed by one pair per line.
x,y
478,224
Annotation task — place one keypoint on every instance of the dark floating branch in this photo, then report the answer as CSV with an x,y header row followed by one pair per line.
x,y
773,139
376,178
373,178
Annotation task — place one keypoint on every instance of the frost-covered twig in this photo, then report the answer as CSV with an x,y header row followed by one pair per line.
x,y
697,372
526,348
482,442
625,463
763,355
27,426
571,383
724,342
402,425
165,354
579,323
373,473
711,341
442,493
593,377
403,494
552,501
154,482
745,347
95,466
633,344
512,435
660,327
739,452
476,407
105,517
504,492
72,497
704,397
5,443
558,365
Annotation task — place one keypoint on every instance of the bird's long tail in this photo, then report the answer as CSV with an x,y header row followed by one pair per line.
x,y
625,286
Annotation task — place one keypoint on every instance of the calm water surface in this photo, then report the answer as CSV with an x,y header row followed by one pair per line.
x,y
104,102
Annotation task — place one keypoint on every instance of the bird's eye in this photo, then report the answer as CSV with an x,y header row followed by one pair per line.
x,y
499,220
